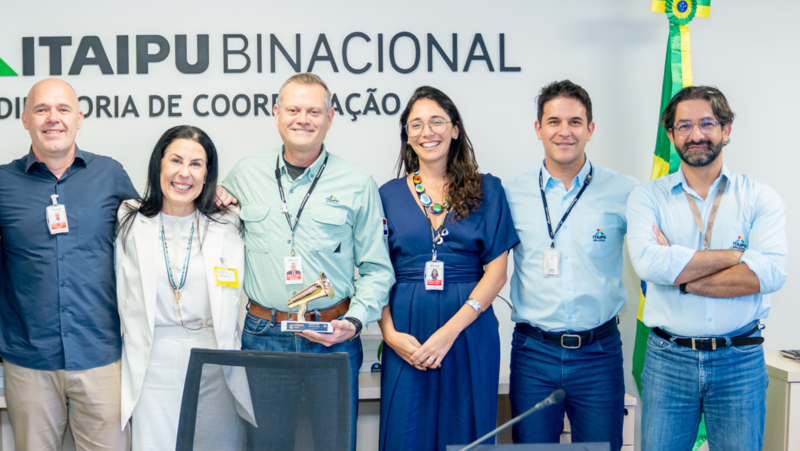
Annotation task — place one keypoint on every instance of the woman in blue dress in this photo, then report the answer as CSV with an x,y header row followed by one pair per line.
x,y
450,230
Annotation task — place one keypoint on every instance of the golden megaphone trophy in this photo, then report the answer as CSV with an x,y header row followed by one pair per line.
x,y
321,288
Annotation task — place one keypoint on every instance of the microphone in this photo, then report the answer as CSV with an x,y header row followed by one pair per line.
x,y
554,398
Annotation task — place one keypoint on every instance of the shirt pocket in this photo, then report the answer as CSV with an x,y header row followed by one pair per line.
x,y
735,235
256,228
332,232
94,227
601,234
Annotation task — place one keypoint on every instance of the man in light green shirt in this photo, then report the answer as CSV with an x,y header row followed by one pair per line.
x,y
328,219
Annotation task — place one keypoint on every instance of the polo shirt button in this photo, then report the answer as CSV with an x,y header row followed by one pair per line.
x,y
710,319
125,303
62,258
64,284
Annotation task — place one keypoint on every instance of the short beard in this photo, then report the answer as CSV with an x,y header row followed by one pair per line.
x,y
701,160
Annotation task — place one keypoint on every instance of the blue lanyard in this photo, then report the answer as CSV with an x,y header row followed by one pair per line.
x,y
176,288
586,182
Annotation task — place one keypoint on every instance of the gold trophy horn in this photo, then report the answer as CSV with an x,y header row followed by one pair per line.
x,y
319,289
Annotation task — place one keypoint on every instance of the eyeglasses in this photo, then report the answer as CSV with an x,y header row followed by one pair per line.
x,y
685,128
195,324
436,124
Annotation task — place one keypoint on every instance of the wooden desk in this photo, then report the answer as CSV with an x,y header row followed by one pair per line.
x,y
782,431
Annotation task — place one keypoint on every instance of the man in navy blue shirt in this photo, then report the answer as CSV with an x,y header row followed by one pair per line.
x,y
60,338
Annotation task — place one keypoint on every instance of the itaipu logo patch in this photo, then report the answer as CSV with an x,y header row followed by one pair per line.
x,y
740,244
332,199
599,236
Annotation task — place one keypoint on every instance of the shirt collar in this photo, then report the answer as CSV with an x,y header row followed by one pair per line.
x,y
79,159
678,179
578,181
312,170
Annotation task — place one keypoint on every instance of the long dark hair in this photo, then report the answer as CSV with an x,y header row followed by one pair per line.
x,y
463,178
153,200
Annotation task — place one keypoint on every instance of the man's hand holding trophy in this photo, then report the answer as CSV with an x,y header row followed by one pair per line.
x,y
320,288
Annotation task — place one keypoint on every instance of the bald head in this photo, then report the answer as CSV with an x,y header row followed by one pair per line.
x,y
52,117
48,84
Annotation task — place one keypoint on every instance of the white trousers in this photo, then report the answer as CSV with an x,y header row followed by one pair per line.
x,y
154,424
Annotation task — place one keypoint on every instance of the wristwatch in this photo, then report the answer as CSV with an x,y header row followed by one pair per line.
x,y
682,287
355,322
475,305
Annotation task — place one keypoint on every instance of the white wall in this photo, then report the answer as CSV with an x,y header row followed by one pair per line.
x,y
614,48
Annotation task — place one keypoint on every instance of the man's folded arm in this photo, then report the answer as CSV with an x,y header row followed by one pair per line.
x,y
653,262
707,263
731,282
766,253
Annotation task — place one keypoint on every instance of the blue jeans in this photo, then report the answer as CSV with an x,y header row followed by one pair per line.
x,y
262,335
728,385
592,377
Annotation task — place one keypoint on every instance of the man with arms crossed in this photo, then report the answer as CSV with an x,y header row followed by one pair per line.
x,y
319,211
60,338
567,288
711,245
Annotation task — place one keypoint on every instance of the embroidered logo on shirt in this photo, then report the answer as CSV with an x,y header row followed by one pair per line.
x,y
332,199
599,236
385,227
740,244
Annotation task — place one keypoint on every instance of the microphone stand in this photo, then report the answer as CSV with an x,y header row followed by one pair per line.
x,y
555,398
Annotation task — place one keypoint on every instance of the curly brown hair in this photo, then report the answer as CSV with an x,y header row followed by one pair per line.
x,y
463,179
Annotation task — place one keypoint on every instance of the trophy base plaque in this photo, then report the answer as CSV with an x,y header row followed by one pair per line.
x,y
299,326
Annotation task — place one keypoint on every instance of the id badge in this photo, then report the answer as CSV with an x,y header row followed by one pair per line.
x,y
434,275
552,263
57,219
227,277
293,267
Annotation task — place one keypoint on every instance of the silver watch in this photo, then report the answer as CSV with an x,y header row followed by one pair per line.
x,y
475,305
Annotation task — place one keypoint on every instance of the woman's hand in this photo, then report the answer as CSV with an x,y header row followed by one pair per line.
x,y
431,354
404,345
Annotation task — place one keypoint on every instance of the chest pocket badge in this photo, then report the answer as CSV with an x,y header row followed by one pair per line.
x,y
736,235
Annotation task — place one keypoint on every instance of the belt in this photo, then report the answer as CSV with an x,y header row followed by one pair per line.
x,y
571,340
711,343
324,315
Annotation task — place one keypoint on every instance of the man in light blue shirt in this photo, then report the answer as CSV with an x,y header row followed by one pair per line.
x,y
711,245
567,284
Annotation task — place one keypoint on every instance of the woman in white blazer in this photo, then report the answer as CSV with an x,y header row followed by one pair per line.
x,y
180,260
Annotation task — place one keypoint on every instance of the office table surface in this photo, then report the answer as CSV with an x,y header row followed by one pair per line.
x,y
782,368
